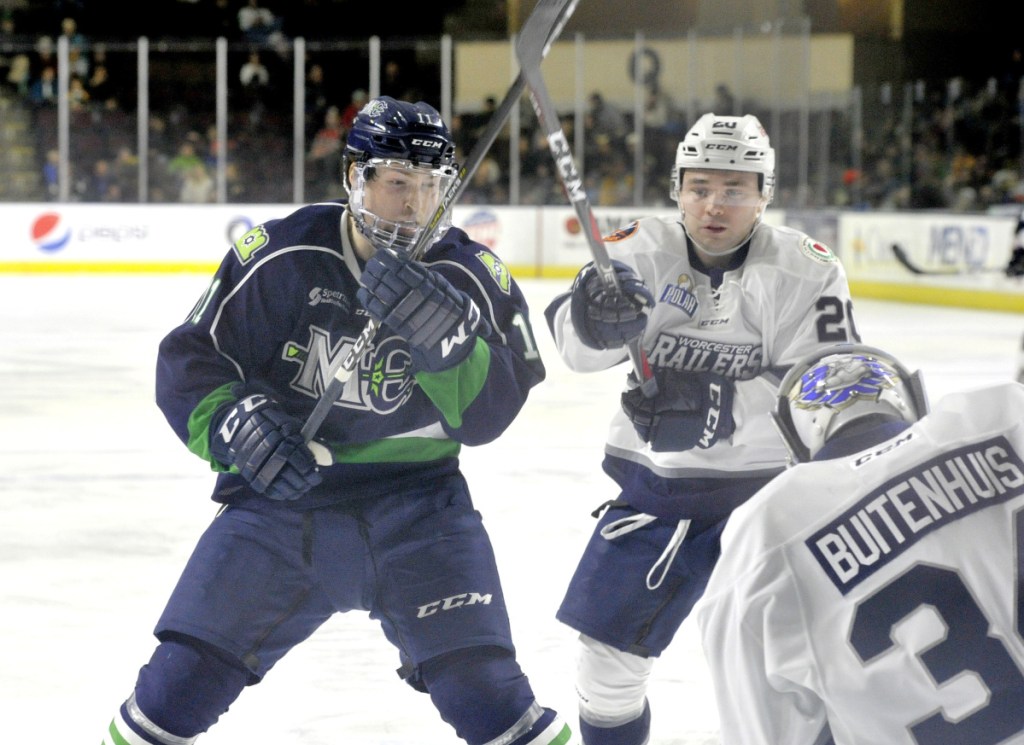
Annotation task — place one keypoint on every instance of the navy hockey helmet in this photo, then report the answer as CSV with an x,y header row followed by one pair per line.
x,y
845,383
408,147
398,130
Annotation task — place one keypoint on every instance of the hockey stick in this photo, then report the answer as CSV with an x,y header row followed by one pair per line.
x,y
573,183
901,256
538,33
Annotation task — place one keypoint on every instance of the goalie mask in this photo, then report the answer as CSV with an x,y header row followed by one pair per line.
x,y
847,383
727,143
399,163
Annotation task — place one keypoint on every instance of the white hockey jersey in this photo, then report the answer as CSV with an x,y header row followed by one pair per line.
x,y
881,593
788,297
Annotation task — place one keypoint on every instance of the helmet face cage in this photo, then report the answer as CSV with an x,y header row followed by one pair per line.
x,y
727,143
398,184
831,389
393,134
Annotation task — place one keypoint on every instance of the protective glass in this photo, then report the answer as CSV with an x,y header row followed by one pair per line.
x,y
394,201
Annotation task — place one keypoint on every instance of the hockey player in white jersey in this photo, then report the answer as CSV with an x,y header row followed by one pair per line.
x,y
874,592
722,304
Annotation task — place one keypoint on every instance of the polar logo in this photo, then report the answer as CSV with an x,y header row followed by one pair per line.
x,y
50,233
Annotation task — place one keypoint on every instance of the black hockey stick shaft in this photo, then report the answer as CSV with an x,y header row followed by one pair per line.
x,y
904,259
541,29
573,183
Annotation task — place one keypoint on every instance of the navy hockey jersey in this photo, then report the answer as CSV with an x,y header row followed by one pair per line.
x,y
282,310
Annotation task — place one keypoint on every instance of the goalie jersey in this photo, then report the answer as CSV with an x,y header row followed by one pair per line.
x,y
282,311
880,594
782,296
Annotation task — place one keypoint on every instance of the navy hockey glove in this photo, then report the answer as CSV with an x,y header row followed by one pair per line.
x,y
608,319
266,446
689,410
439,322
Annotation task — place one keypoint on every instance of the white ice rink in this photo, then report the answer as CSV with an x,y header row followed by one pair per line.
x,y
101,506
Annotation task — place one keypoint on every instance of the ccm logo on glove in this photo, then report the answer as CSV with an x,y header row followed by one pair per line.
x,y
266,446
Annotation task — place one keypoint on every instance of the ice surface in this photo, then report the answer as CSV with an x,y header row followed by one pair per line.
x,y
101,506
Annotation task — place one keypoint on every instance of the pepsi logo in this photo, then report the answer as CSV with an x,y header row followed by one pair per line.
x,y
50,233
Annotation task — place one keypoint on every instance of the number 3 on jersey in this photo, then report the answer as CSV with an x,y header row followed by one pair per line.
x,y
967,647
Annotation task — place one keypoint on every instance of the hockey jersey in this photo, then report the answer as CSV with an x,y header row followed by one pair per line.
x,y
782,296
880,594
281,312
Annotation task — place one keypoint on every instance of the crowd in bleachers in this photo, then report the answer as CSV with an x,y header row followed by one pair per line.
x,y
959,148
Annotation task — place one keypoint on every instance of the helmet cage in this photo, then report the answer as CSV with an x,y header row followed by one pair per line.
x,y
383,232
833,388
728,143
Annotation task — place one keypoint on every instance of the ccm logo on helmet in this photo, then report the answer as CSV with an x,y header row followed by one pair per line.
x,y
436,144
720,146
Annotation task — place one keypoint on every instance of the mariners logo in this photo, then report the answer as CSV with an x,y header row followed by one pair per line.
x,y
384,381
817,251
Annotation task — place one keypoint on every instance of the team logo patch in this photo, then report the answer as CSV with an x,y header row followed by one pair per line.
x,y
623,233
817,251
250,243
497,269
680,295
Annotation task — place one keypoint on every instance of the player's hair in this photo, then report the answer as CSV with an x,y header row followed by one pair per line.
x,y
835,387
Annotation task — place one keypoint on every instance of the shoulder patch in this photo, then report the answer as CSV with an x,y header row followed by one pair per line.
x,y
497,269
623,233
251,242
817,251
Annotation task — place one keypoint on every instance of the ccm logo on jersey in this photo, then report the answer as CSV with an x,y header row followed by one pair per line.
x,y
453,602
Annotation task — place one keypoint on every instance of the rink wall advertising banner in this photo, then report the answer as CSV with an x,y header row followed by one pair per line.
x,y
938,258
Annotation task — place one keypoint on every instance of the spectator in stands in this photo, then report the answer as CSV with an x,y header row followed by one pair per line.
x,y
257,22
19,75
43,90
78,95
100,87
51,174
255,78
324,158
604,119
198,186
317,99
184,161
356,103
725,101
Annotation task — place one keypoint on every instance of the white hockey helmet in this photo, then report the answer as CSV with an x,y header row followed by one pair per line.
x,y
837,386
728,143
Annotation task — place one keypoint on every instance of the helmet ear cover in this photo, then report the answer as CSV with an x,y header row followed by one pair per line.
x,y
835,387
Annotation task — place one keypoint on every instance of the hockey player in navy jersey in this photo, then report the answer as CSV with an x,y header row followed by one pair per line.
x,y
722,303
384,523
872,593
